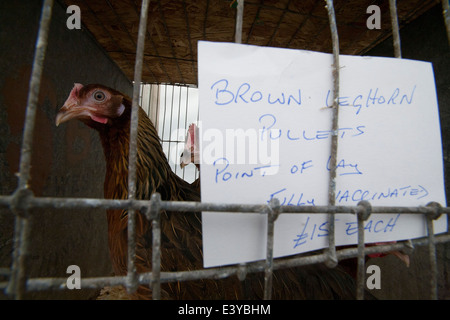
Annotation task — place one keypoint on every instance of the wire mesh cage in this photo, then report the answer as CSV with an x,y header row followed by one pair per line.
x,y
165,97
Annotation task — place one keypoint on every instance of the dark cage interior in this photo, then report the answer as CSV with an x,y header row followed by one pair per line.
x,y
40,237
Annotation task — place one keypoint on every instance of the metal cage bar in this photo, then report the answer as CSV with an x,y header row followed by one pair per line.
x,y
41,284
132,274
217,273
187,206
152,205
361,216
432,249
332,260
395,29
23,199
239,19
22,221
272,215
155,211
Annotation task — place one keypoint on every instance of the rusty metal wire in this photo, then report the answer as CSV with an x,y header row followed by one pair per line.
x,y
155,204
132,275
362,216
29,201
123,27
239,19
272,214
395,29
17,284
23,199
332,260
432,251
154,215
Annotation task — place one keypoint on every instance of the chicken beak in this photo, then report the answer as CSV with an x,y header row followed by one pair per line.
x,y
66,113
72,110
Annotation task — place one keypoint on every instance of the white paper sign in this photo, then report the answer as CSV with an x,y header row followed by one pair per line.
x,y
265,129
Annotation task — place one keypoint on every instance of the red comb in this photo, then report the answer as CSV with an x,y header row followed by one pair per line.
x,y
75,90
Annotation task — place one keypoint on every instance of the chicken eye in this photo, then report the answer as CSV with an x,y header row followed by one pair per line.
x,y
99,96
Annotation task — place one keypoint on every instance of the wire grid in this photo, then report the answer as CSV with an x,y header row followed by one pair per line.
x,y
23,199
172,108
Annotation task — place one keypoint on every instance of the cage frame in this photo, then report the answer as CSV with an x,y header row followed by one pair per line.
x,y
22,199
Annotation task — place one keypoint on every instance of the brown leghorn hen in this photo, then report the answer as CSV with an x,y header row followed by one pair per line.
x,y
108,111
